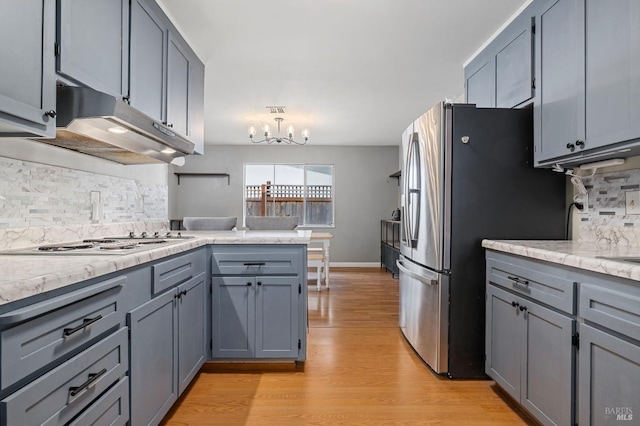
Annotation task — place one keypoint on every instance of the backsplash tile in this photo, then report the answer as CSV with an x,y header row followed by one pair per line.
x,y
607,221
33,194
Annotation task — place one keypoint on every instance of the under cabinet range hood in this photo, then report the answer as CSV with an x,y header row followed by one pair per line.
x,y
104,126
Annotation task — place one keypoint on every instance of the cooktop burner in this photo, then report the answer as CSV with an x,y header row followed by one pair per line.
x,y
66,247
97,246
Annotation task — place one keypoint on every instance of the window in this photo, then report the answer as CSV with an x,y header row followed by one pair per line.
x,y
301,190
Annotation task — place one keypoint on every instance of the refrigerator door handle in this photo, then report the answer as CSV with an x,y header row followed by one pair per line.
x,y
429,280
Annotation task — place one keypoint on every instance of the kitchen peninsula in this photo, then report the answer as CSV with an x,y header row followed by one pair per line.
x,y
562,316
118,337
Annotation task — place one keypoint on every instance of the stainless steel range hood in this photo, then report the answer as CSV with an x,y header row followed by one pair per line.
x,y
101,125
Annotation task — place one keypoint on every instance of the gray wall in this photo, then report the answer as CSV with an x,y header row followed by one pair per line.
x,y
364,192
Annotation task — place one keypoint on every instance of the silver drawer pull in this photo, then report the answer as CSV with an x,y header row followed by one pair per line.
x,y
91,378
518,280
254,264
85,323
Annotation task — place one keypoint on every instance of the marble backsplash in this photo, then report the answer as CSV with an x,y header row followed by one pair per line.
x,y
39,195
608,222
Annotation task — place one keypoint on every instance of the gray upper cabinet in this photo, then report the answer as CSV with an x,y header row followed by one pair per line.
x,y
178,70
612,71
166,77
502,74
514,72
480,84
148,59
27,86
559,105
93,44
588,105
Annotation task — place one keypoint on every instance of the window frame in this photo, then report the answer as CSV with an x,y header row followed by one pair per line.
x,y
304,166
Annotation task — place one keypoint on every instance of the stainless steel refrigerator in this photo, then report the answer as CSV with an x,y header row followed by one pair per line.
x,y
467,175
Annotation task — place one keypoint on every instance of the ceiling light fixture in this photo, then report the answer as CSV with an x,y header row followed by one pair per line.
x,y
289,138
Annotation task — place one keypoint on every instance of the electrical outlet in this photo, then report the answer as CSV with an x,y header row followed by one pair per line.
x,y
632,202
96,205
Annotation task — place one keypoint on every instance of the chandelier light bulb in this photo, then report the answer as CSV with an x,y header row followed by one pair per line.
x,y
288,139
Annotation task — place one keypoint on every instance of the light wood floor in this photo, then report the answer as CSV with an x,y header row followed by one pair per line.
x,y
359,371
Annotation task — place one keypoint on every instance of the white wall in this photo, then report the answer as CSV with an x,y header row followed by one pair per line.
x,y
364,192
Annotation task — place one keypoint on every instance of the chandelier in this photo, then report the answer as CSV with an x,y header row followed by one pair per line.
x,y
278,139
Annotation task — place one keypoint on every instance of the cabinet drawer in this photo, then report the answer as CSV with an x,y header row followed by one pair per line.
x,y
65,391
174,271
111,409
257,261
612,309
543,283
33,344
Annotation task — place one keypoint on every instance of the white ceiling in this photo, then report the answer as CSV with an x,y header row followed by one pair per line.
x,y
355,72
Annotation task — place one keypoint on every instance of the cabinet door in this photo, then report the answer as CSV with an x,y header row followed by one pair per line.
x,y
27,86
612,43
547,364
196,105
148,59
178,73
191,327
559,104
153,362
514,68
503,340
94,44
608,379
480,84
233,317
277,317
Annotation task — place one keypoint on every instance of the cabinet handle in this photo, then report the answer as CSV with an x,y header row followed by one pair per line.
x,y
126,99
523,308
85,323
571,146
259,282
91,378
515,304
518,280
580,144
51,113
170,125
249,284
254,263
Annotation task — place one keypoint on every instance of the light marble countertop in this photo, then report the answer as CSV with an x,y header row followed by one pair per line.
x,y
589,256
22,276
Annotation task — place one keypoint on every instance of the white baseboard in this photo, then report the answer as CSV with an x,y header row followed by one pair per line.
x,y
354,265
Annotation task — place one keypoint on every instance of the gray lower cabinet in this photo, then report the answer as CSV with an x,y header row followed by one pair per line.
x,y
167,348
530,329
255,317
66,357
27,86
259,308
609,354
93,44
530,355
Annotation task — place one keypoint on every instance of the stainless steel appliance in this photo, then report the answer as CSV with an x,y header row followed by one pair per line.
x,y
104,126
467,175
